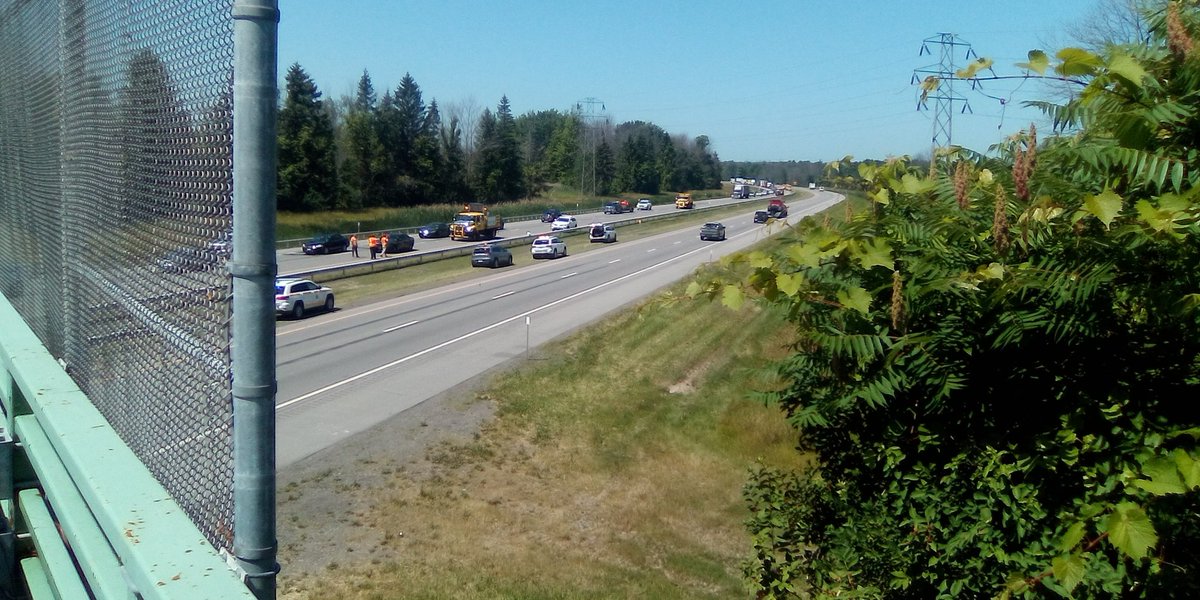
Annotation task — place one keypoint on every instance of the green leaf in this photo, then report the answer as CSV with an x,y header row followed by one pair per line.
x,y
1076,62
911,184
805,255
1188,466
875,253
1130,531
1071,537
1068,570
1164,477
882,197
992,271
855,298
1159,220
974,68
1126,68
789,283
760,260
732,297
1038,62
694,289
1105,207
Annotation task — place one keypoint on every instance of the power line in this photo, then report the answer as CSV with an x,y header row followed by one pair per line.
x,y
591,119
941,78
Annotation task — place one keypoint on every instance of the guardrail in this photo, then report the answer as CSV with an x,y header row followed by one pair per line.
x,y
82,516
415,258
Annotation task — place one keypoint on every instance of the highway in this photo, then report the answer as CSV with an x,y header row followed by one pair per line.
x,y
293,260
344,372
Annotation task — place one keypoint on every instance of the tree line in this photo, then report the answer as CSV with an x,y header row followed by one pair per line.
x,y
397,150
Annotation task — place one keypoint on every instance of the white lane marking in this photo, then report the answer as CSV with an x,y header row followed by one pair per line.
x,y
569,275
614,261
678,242
399,361
391,329
651,250
508,293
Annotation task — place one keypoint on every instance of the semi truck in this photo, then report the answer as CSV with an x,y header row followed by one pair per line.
x,y
475,223
741,191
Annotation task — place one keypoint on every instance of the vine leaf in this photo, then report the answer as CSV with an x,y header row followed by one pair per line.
x,y
1130,530
1077,62
1164,477
855,298
732,297
1038,62
1123,66
789,283
1071,537
1105,206
1068,570
875,253
1189,467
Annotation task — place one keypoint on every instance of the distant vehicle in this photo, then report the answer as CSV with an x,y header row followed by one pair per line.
x,y
741,192
776,208
645,204
399,242
548,246
812,186
475,222
617,207
551,214
712,231
684,201
435,230
327,243
563,223
779,192
222,245
822,188
294,296
602,232
761,216
488,255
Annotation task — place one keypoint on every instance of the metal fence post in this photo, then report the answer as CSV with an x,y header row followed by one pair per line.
x,y
255,36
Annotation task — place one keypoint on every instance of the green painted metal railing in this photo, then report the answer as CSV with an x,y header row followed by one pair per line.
x,y
82,516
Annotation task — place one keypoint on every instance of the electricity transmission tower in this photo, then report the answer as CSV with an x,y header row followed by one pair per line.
x,y
592,121
943,75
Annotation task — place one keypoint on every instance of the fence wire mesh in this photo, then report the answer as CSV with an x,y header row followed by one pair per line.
x,y
116,188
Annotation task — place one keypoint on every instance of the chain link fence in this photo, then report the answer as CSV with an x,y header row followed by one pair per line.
x,y
116,134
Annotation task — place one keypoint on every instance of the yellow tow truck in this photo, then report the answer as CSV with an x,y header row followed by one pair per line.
x,y
684,200
475,223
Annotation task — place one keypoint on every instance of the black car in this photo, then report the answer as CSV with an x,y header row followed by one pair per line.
x,y
327,243
435,230
551,214
761,216
399,242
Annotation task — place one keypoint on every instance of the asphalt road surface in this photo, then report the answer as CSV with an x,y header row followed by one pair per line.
x,y
341,373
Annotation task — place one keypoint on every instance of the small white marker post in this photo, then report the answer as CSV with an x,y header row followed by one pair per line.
x,y
527,318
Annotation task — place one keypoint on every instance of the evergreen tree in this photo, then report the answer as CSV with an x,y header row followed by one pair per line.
x,y
499,173
606,168
365,99
307,167
562,151
364,166
452,182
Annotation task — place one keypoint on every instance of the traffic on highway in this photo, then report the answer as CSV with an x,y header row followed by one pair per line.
x,y
343,372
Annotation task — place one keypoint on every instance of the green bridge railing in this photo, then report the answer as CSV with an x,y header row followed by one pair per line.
x,y
82,516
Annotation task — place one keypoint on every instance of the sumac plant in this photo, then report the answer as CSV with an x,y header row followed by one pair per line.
x,y
998,366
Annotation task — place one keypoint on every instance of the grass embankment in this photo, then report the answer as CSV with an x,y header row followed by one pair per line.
x,y
291,226
612,469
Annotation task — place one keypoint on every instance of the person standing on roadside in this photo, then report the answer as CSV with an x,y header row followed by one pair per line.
x,y
354,245
373,244
383,246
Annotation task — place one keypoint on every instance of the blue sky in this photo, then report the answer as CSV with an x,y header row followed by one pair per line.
x,y
766,80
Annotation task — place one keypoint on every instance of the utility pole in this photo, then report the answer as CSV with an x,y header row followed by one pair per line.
x,y
591,119
943,75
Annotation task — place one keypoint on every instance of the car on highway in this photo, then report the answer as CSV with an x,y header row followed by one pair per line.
x,y
645,204
294,297
222,245
551,214
548,246
712,231
617,207
327,243
492,256
761,216
434,230
398,242
563,223
602,232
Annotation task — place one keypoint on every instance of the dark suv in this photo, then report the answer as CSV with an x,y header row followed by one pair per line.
x,y
550,215
491,256
326,243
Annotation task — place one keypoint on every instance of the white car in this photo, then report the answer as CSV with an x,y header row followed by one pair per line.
x,y
295,296
602,232
548,246
563,223
645,204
